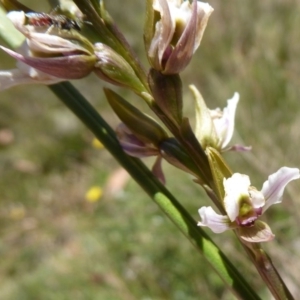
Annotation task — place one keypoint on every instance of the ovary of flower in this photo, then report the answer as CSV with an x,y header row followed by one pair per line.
x,y
244,205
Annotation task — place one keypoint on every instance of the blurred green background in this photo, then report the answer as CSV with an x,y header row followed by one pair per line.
x,y
55,244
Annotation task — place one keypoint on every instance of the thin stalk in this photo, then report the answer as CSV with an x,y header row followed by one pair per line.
x,y
268,272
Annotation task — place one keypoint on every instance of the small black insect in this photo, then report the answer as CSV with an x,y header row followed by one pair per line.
x,y
60,21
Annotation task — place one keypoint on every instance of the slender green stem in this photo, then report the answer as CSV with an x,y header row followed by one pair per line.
x,y
170,206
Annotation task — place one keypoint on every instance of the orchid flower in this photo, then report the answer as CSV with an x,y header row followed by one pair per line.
x,y
244,205
215,128
177,33
47,58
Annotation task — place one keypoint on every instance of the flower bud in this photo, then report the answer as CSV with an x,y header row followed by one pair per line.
x,y
113,68
139,147
134,146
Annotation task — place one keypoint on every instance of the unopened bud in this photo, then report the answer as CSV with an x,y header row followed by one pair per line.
x,y
113,68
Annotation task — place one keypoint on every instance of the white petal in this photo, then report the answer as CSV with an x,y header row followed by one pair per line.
x,y
257,198
14,77
164,30
217,223
235,188
273,188
18,20
48,43
204,11
225,125
182,12
44,42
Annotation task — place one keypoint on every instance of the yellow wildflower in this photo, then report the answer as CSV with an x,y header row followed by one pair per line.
x,y
94,194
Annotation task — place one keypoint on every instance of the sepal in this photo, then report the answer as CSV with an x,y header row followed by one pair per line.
x,y
204,129
219,170
132,145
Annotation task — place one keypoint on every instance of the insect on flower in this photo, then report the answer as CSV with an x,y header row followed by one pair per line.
x,y
60,21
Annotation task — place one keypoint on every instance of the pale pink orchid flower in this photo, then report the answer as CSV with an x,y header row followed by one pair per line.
x,y
178,33
244,205
214,128
46,58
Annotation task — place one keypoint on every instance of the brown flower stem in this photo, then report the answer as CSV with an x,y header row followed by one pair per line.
x,y
267,271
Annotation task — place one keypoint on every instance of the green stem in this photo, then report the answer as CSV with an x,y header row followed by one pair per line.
x,y
170,206
111,36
